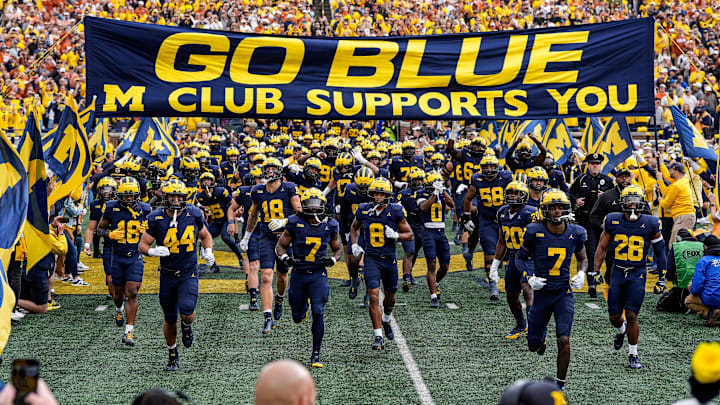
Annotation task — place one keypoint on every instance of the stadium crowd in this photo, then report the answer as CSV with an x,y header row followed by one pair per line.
x,y
322,168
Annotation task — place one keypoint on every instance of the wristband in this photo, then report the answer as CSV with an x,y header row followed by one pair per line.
x,y
230,221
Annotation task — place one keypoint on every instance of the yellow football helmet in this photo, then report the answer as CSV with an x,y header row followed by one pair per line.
x,y
272,169
395,150
314,205
524,150
274,141
438,161
270,150
232,152
203,157
363,178
174,187
207,176
253,150
477,146
330,147
344,164
259,133
554,198
432,178
107,187
215,140
632,200
428,151
408,150
490,166
128,192
258,159
312,168
416,178
516,193
255,173
190,168
537,178
273,126
383,187
373,154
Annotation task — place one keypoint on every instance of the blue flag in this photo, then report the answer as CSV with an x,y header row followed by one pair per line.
x,y
152,141
14,206
592,137
617,143
558,141
692,141
490,130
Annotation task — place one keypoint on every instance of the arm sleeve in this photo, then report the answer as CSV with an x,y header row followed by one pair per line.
x,y
521,259
660,256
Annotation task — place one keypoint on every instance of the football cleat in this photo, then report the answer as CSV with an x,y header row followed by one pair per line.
x,y
366,301
542,348
52,305
354,286
119,319
406,285
634,361
173,362
516,332
379,343
129,339
434,302
269,325
345,283
592,291
315,360
388,330
278,307
214,269
187,334
254,304
437,290
413,281
618,341
494,292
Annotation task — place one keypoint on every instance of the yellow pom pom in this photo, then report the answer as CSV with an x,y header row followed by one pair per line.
x,y
706,362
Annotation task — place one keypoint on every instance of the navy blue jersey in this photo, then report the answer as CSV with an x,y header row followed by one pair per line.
x,y
243,169
557,180
310,243
520,166
273,205
435,218
302,183
631,239
407,199
468,167
373,227
326,170
96,213
513,225
218,153
318,133
132,221
243,198
181,240
400,168
217,203
341,181
552,253
349,204
297,131
490,193
228,169
533,202
191,188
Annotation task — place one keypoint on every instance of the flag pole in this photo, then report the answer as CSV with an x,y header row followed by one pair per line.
x,y
654,118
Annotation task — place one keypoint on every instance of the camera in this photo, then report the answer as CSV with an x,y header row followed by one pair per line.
x,y
25,374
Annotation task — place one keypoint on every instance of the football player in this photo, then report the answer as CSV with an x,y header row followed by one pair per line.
x,y
106,190
489,186
124,220
273,203
383,224
406,197
629,235
537,182
401,166
513,218
432,202
551,244
310,233
175,229
243,200
519,157
356,193
230,169
216,200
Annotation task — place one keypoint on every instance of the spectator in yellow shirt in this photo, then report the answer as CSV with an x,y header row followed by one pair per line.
x,y
677,198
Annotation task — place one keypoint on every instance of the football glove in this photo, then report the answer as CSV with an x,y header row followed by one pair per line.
x,y
277,224
578,280
461,189
207,254
287,260
329,261
357,250
391,233
357,154
467,222
438,188
400,184
117,234
160,251
537,283
243,245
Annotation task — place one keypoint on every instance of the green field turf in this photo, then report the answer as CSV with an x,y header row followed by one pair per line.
x,y
461,353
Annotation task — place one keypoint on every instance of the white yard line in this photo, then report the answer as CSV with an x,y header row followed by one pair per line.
x,y
452,305
412,367
592,306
